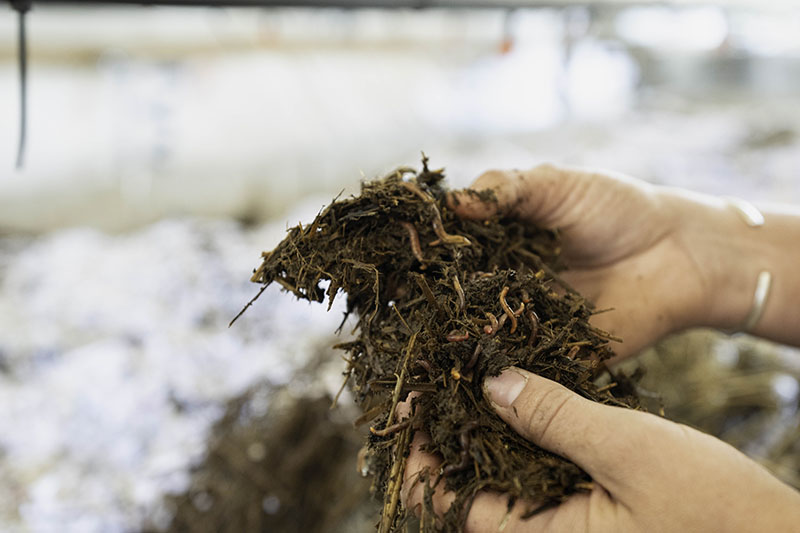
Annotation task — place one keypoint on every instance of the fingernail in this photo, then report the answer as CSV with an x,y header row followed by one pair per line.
x,y
505,388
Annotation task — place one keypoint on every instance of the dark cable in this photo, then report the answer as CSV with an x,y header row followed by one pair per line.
x,y
22,7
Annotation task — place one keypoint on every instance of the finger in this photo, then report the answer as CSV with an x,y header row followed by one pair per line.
x,y
474,204
423,468
403,409
537,195
489,510
602,440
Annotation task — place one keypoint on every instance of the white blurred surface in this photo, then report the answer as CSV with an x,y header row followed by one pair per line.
x,y
116,359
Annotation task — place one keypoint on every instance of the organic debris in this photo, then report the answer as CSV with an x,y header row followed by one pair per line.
x,y
282,468
441,303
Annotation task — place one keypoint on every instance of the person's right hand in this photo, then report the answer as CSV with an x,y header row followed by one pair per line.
x,y
649,474
625,242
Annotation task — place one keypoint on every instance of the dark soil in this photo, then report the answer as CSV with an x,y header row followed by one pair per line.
x,y
441,303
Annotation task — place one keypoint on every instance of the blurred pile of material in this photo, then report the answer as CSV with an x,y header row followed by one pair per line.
x,y
116,358
740,389
288,468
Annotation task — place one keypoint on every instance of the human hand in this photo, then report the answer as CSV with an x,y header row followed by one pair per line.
x,y
649,474
624,241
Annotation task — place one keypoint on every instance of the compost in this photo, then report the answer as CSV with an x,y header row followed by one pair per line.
x,y
439,303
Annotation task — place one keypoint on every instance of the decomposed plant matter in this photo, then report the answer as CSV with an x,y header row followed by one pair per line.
x,y
442,302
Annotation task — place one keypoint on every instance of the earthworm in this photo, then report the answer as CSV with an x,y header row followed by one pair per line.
x,y
438,227
457,336
478,274
462,465
573,352
445,237
534,326
493,324
414,188
519,310
464,440
414,238
500,322
461,298
394,428
474,358
507,309
426,365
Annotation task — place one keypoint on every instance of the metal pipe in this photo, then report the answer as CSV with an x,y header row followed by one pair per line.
x,y
346,4
22,7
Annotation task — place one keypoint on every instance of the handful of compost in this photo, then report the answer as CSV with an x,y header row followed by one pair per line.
x,y
441,303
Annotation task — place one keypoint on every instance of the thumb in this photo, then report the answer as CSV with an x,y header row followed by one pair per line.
x,y
539,195
596,437
503,188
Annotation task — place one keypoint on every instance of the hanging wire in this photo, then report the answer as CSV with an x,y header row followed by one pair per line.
x,y
22,7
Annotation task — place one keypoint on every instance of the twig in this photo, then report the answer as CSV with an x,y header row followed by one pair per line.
x,y
403,320
604,334
607,387
401,379
341,389
395,481
426,290
368,415
248,305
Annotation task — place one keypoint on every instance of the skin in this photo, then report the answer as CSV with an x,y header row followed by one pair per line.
x,y
665,259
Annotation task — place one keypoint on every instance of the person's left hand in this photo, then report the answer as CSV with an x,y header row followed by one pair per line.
x,y
649,474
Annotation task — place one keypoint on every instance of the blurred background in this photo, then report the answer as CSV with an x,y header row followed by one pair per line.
x,y
168,146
